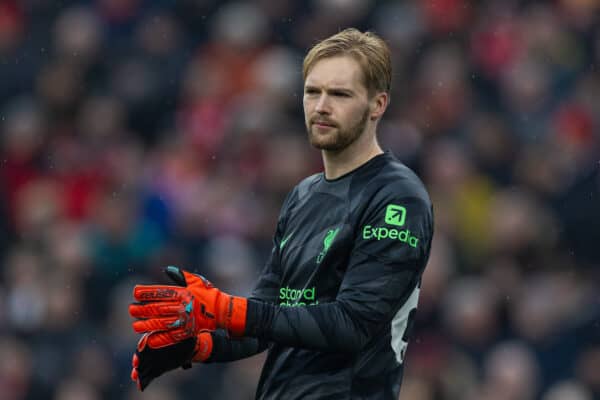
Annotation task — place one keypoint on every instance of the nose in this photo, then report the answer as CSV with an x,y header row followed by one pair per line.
x,y
322,106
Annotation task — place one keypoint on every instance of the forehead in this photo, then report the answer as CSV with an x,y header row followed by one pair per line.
x,y
339,71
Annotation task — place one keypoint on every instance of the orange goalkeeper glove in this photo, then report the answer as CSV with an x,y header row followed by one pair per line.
x,y
156,354
182,311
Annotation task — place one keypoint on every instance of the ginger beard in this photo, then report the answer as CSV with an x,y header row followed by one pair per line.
x,y
335,138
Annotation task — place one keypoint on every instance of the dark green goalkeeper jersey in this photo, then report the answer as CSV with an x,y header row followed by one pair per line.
x,y
335,301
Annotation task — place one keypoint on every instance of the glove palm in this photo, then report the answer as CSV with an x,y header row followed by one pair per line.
x,y
156,354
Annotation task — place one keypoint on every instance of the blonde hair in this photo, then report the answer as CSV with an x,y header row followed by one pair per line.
x,y
368,49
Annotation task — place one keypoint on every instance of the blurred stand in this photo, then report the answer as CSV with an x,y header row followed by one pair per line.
x,y
136,134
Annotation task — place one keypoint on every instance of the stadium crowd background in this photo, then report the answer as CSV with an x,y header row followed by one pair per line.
x,y
136,134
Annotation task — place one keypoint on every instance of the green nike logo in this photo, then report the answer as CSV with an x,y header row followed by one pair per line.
x,y
284,241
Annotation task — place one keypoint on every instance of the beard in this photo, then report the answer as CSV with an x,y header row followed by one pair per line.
x,y
339,138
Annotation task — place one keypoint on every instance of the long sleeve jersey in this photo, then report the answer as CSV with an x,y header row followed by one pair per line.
x,y
335,301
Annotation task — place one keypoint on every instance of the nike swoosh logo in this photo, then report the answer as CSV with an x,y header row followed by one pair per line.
x,y
284,241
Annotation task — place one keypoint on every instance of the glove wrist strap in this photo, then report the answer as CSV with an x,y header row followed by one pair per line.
x,y
232,314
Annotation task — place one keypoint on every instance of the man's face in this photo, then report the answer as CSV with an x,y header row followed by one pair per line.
x,y
336,103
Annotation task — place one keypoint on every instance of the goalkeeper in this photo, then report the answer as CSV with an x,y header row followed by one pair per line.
x,y
335,301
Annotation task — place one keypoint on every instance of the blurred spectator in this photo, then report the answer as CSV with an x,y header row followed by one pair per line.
x,y
567,391
16,367
75,390
471,315
12,25
511,373
25,303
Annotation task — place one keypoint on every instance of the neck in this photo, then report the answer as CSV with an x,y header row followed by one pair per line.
x,y
338,163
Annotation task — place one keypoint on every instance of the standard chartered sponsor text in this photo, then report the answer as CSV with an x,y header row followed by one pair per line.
x,y
297,297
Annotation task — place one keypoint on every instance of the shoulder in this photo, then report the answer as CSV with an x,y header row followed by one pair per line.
x,y
307,184
392,194
301,190
395,180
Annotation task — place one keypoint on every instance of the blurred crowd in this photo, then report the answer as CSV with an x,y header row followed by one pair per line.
x,y
135,134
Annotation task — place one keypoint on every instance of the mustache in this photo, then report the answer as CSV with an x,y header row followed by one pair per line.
x,y
321,120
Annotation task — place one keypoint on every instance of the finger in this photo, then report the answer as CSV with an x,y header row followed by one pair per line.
x,y
158,340
157,292
157,324
156,309
141,345
193,279
143,382
136,378
176,275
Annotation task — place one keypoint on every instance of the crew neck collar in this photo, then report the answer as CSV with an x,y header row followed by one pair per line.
x,y
385,154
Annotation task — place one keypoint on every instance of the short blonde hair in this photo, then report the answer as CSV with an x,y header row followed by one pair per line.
x,y
368,49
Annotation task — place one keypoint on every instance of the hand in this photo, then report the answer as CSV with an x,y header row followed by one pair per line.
x,y
182,311
156,354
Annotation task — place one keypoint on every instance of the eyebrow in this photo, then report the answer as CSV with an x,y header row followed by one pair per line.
x,y
330,89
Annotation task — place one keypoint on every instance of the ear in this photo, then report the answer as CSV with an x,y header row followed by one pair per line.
x,y
378,105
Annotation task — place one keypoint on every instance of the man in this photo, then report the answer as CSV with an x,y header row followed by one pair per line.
x,y
335,301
